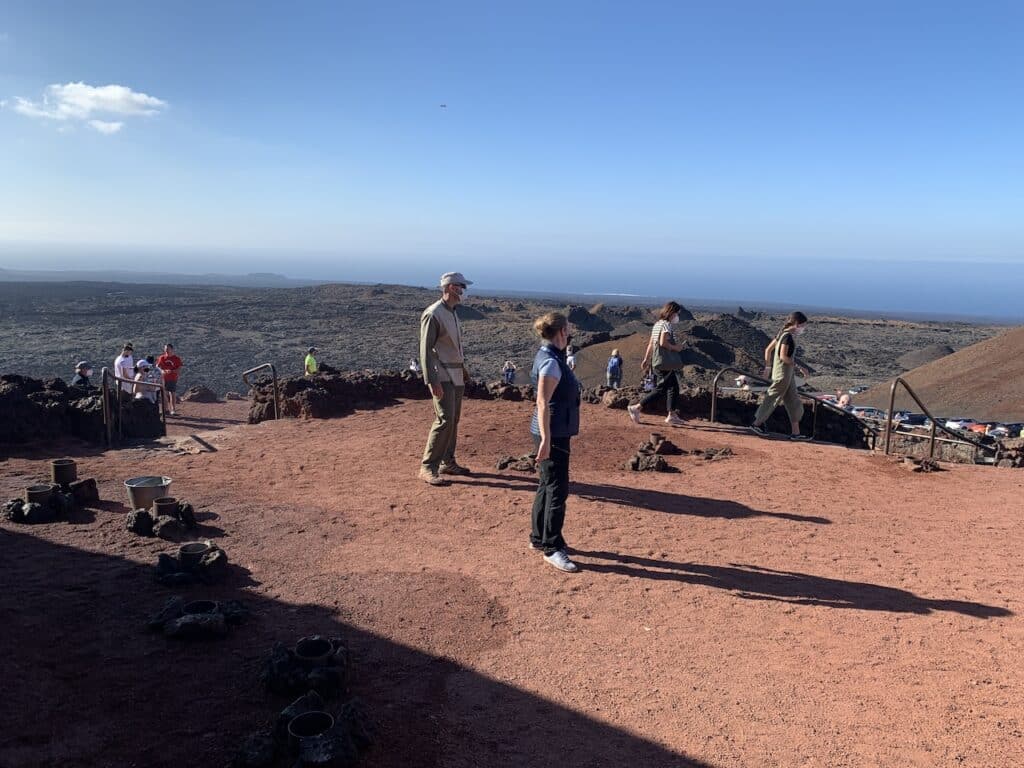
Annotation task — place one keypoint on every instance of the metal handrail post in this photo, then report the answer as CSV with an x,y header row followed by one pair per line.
x,y
898,381
273,373
105,394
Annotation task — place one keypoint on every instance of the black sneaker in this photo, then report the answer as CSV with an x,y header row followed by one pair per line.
x,y
800,438
757,429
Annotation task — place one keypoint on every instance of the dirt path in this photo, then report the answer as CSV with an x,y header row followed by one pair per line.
x,y
794,605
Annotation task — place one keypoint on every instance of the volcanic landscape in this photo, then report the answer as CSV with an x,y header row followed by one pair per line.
x,y
773,604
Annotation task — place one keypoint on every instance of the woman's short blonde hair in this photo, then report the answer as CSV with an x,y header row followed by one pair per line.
x,y
615,353
548,326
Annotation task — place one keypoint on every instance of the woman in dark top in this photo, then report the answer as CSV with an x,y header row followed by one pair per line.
x,y
779,355
555,422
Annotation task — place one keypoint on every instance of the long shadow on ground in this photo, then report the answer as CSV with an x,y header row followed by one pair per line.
x,y
751,582
681,504
86,685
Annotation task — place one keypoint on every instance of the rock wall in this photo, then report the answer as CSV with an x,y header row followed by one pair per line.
x,y
334,395
32,410
738,409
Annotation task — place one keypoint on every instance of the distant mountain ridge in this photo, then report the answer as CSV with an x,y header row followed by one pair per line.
x,y
251,280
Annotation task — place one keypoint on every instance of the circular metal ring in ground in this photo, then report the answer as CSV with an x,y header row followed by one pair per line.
x,y
314,651
190,554
63,471
39,494
309,725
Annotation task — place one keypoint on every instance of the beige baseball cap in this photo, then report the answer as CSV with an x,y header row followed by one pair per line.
x,y
456,278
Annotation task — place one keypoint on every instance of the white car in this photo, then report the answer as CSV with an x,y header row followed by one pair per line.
x,y
959,423
866,412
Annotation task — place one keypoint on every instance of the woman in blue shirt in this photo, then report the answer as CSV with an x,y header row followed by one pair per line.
x,y
555,422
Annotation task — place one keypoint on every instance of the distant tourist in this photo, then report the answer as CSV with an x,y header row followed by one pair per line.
x,y
310,367
508,372
146,381
124,367
555,422
570,358
614,372
82,373
662,355
779,357
844,401
414,366
169,365
444,372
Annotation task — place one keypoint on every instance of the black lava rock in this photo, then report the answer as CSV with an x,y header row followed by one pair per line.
x,y
186,514
259,750
14,510
213,567
139,521
85,491
33,513
167,527
197,626
170,610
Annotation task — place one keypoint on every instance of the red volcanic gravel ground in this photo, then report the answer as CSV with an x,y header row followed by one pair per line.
x,y
793,605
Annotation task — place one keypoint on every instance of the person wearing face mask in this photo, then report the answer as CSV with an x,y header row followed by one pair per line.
x,y
82,373
444,373
556,421
663,356
780,361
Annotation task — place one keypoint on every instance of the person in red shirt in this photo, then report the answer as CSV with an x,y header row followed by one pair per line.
x,y
169,364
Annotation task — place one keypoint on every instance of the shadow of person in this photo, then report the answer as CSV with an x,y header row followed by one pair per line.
x,y
751,582
681,504
74,651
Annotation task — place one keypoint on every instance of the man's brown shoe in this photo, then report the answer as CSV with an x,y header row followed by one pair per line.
x,y
452,468
431,477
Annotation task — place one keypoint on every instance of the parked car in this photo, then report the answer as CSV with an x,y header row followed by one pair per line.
x,y
1006,430
857,390
867,412
959,423
981,428
909,419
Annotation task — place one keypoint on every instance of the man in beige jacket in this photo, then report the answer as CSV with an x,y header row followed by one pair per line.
x,y
444,372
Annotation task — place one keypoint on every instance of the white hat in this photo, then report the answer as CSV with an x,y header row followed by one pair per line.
x,y
454,278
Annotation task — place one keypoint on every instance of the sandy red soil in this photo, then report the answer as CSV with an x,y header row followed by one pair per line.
x,y
794,605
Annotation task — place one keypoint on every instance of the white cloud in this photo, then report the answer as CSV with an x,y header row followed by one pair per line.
x,y
105,127
78,101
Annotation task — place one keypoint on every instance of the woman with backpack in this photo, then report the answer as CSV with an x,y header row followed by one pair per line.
x,y
663,356
615,370
780,357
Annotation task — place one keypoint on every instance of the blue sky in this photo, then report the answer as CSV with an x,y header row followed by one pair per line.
x,y
582,135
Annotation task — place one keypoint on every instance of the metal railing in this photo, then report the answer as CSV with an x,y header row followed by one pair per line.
x,y
957,438
108,414
273,373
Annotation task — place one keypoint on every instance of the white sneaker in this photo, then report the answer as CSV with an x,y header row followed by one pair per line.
x,y
634,412
674,421
561,561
